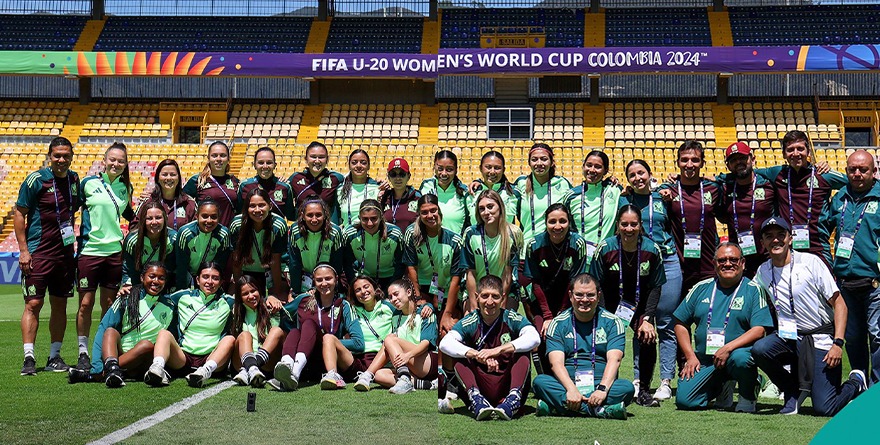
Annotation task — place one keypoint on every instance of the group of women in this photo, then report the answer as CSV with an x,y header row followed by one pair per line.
x,y
371,273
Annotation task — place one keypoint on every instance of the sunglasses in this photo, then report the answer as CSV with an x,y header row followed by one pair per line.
x,y
397,174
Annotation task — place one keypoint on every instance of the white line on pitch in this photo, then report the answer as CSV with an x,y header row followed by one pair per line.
x,y
160,416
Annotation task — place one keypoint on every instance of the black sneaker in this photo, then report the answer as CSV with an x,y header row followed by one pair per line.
x,y
56,364
84,363
78,376
29,367
114,378
645,399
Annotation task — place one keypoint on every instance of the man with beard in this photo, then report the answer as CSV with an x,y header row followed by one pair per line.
x,y
748,202
729,314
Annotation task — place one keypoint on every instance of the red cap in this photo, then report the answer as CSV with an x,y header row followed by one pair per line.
x,y
737,148
398,163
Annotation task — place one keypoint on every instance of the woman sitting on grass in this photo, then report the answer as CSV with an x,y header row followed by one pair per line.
x,y
130,327
411,348
258,336
201,344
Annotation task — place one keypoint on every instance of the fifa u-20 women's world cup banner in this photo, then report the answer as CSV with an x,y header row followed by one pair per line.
x,y
543,61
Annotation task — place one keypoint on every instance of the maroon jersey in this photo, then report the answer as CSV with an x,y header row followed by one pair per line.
x,y
738,200
50,203
324,185
180,211
401,212
710,206
221,189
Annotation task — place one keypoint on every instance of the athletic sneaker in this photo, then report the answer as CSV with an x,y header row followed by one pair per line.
x,y
275,385
480,406
637,384
444,406
332,380
434,385
29,367
242,378
790,406
859,377
725,397
616,411
256,377
747,406
78,376
284,375
56,364
363,381
404,385
509,406
156,376
114,378
644,399
84,362
543,409
197,378
664,392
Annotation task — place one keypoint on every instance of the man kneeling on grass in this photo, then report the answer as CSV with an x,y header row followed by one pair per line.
x,y
491,348
585,342
730,314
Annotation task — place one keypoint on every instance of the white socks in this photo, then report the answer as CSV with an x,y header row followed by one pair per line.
x,y
299,363
29,350
210,367
159,361
83,341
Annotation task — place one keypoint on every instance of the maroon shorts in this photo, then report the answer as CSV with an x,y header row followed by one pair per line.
x,y
434,360
361,363
98,271
55,275
190,363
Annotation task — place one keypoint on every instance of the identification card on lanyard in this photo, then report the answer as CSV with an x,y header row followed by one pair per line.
x,y
693,245
585,380
66,227
306,281
746,238
693,242
801,240
787,327
747,243
714,340
801,232
787,323
625,311
591,249
67,235
844,245
434,288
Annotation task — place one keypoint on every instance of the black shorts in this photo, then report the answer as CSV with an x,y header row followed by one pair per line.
x,y
361,363
97,271
55,275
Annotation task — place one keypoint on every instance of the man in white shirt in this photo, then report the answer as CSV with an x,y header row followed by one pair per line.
x,y
811,327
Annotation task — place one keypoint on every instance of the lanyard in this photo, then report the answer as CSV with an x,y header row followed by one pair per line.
x,y
316,180
532,201
222,191
348,200
257,245
712,301
112,197
271,199
207,246
137,325
394,207
751,215
428,248
369,325
485,252
651,215
378,252
482,334
321,309
809,199
174,214
592,337
681,207
150,256
638,268
843,216
70,203
775,284
601,210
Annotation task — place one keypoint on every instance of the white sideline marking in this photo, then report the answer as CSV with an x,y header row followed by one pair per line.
x,y
161,416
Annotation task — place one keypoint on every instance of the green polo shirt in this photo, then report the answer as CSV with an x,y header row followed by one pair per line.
x,y
105,203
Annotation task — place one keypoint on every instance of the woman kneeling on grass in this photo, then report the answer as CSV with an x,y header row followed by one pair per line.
x,y
411,348
258,336
323,319
491,347
201,344
130,327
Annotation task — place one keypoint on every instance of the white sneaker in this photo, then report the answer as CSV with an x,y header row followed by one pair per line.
x,y
363,381
284,375
434,384
725,398
745,406
664,392
403,385
771,391
332,380
157,376
444,406
197,378
637,384
256,377
241,378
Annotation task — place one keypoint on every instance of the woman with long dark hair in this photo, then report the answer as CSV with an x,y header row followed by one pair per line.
x,y
372,247
357,187
594,202
215,182
452,195
257,333
259,238
168,190
538,190
151,240
203,240
312,240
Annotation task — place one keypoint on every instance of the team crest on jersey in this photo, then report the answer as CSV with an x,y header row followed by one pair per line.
x,y
412,206
505,338
644,268
326,182
813,182
228,184
84,282
163,316
601,337
181,213
277,195
871,207
658,206
73,188
31,290
707,198
760,195
568,263
736,304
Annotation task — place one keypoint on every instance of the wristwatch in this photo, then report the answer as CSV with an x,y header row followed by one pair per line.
x,y
601,387
839,342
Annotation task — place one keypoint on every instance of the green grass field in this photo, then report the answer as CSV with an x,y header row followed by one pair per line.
x,y
46,409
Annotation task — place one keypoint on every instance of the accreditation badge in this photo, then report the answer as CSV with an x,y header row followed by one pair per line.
x,y
67,235
585,381
591,249
747,243
306,282
787,327
714,340
625,311
801,239
844,246
434,288
693,245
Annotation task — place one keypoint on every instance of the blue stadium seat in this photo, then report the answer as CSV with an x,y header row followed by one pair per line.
x,y
40,32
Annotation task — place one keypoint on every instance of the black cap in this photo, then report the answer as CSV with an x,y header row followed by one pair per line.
x,y
775,221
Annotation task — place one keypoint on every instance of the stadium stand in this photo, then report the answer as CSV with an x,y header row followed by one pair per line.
x,y
762,125
660,125
40,32
234,34
460,28
371,35
657,27
805,25
259,121
124,122
18,118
